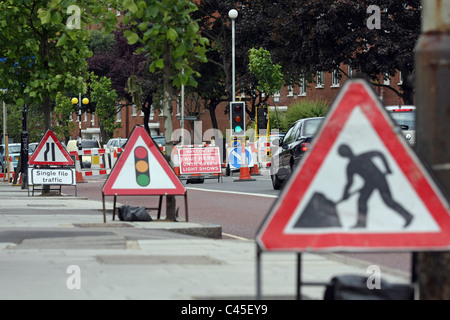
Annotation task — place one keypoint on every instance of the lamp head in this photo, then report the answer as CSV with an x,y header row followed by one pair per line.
x,y
233,14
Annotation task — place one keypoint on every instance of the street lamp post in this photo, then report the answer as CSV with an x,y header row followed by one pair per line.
x,y
79,101
233,14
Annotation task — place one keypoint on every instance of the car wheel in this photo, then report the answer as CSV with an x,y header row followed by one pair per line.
x,y
276,182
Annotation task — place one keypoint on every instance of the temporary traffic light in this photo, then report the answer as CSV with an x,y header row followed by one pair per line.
x,y
261,116
142,167
237,118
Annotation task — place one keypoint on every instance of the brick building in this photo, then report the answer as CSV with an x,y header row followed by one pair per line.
x,y
325,87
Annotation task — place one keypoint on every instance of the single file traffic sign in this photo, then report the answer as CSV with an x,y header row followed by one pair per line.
x,y
360,187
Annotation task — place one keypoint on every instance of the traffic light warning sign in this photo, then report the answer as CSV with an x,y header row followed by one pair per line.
x,y
142,170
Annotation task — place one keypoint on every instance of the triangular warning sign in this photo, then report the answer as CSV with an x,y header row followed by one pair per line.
x,y
360,187
50,152
142,170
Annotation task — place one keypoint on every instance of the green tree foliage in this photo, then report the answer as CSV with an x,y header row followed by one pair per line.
x,y
320,35
269,75
42,56
172,39
296,111
63,112
105,99
14,123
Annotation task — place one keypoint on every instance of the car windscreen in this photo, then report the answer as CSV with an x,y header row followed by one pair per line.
x,y
406,119
89,144
14,149
311,127
160,140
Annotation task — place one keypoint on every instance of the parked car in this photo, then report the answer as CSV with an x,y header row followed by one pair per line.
x,y
14,154
83,144
405,117
160,142
293,147
115,143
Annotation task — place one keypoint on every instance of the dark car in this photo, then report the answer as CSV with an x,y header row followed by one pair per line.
x,y
292,148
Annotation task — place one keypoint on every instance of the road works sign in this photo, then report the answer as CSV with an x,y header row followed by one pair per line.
x,y
142,170
360,186
235,157
199,160
50,152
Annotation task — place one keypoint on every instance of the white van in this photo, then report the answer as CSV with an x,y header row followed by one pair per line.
x,y
405,117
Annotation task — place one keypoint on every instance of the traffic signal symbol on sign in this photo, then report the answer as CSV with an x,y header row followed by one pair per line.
x,y
142,167
237,118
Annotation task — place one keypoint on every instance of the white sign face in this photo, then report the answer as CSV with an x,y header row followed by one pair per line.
x,y
199,160
386,209
158,178
50,152
51,176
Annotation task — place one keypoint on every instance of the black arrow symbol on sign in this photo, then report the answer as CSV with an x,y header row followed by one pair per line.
x,y
47,149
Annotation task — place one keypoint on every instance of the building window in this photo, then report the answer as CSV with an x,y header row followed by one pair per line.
x,y
290,91
386,79
320,80
302,87
92,118
276,96
400,75
152,113
85,116
350,71
335,79
134,111
119,114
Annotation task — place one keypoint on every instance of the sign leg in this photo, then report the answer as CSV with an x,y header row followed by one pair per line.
x,y
186,206
299,276
114,207
159,207
104,209
258,273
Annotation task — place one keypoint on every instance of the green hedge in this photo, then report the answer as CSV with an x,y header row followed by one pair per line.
x,y
296,111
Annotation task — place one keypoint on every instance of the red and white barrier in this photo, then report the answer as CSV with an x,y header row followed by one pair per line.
x,y
106,161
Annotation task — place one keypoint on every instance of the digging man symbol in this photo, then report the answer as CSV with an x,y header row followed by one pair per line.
x,y
374,179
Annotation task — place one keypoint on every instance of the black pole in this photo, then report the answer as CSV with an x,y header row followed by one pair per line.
x,y
24,149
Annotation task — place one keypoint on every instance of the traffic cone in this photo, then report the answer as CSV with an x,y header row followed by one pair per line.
x,y
256,170
244,172
114,159
78,173
11,170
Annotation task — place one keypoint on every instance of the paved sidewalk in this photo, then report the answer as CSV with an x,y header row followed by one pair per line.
x,y
41,238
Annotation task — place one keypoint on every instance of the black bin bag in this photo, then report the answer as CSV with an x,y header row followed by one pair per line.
x,y
129,213
354,287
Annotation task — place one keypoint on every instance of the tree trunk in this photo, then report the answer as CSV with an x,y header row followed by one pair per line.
x,y
212,113
146,110
167,107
